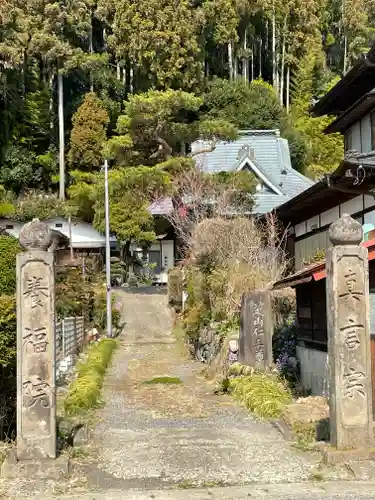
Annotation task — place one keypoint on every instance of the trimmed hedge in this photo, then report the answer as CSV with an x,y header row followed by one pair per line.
x,y
85,391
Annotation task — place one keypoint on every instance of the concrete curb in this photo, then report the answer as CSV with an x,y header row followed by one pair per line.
x,y
300,490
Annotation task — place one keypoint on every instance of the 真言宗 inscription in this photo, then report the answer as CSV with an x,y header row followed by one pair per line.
x,y
349,337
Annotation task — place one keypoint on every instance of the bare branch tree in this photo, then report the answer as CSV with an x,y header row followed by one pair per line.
x,y
199,197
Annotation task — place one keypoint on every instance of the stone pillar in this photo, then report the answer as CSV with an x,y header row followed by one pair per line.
x,y
256,330
36,409
348,328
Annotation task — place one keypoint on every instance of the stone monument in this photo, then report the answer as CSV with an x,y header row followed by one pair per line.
x,y
256,330
36,409
348,328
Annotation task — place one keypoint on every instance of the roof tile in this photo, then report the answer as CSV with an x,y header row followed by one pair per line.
x,y
272,157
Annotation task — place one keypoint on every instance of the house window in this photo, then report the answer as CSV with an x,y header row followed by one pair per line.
x,y
58,225
372,118
349,140
9,226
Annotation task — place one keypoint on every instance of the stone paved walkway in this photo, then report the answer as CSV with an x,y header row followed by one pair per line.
x,y
151,438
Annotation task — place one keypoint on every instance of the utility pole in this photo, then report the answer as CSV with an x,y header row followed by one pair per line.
x,y
107,253
60,91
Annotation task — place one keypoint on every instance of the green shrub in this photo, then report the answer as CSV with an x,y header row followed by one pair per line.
x,y
164,380
194,319
100,311
74,295
9,248
263,393
175,287
197,287
85,391
8,336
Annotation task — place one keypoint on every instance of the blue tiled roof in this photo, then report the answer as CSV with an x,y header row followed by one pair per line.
x,y
270,155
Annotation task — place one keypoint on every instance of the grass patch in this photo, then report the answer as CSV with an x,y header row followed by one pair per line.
x,y
85,391
316,476
189,485
164,380
305,433
265,394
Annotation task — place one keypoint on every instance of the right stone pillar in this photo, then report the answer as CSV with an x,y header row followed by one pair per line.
x,y
348,329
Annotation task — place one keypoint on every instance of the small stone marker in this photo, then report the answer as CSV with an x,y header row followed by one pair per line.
x,y
256,330
36,409
348,325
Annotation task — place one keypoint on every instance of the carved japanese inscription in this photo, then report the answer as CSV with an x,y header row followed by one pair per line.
x,y
36,415
352,337
35,291
256,330
257,317
36,391
36,338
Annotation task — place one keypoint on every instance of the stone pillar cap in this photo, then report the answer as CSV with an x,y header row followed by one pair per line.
x,y
35,235
345,231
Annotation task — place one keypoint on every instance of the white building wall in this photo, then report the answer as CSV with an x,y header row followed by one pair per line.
x,y
167,259
84,235
357,204
314,370
366,134
369,201
356,137
352,206
329,216
312,223
300,229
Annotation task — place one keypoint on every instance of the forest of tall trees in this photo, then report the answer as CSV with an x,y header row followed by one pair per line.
x,y
142,78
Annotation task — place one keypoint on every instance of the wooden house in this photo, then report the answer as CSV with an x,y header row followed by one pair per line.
x,y
307,217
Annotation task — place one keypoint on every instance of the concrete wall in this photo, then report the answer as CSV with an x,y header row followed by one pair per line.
x,y
314,370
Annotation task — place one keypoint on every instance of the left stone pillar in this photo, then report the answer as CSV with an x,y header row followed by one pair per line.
x,y
36,408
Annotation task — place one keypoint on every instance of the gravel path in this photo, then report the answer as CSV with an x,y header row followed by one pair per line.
x,y
179,435
178,441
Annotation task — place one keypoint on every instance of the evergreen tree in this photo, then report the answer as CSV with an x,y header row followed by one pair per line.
x,y
165,52
324,152
88,134
158,125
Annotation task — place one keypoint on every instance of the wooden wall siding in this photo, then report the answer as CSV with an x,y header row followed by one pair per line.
x,y
306,248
